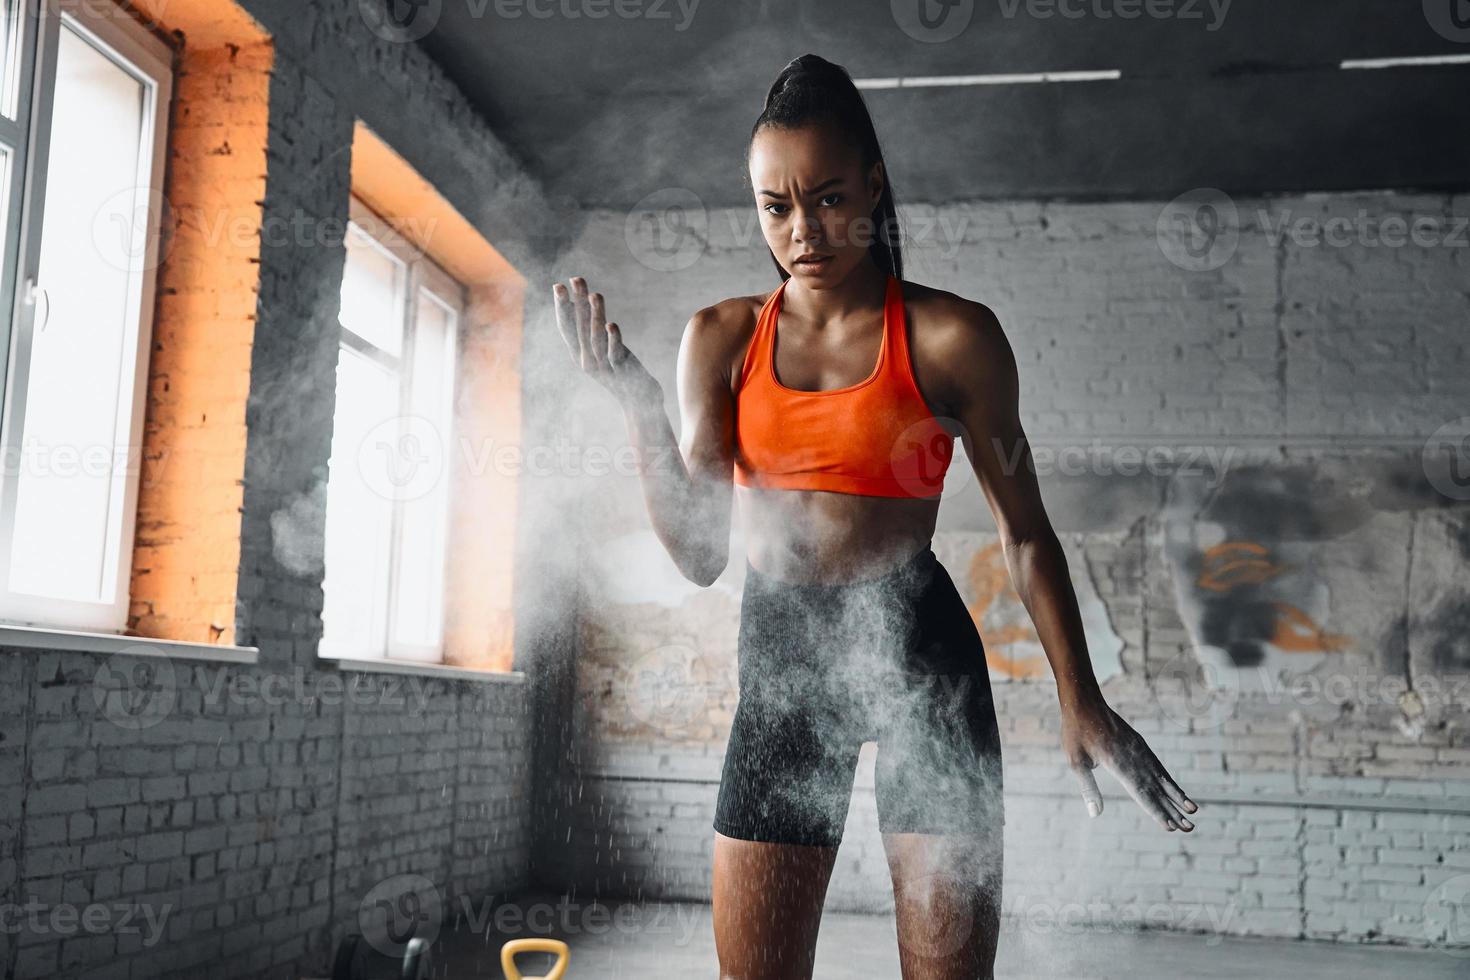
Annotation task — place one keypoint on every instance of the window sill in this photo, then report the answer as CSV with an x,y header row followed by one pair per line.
x,y
381,665
81,641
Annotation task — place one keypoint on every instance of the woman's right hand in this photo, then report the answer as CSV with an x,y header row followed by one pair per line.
x,y
597,346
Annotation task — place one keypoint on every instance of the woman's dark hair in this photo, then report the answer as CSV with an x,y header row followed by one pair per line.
x,y
811,90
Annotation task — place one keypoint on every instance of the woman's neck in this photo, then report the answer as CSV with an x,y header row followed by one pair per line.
x,y
865,287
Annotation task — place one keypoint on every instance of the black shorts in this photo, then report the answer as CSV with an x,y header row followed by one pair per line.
x,y
824,668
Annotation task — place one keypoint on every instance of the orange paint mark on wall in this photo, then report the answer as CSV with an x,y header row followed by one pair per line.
x,y
1296,632
1232,564
991,582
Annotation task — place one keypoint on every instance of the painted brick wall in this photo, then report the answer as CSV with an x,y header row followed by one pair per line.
x,y
1290,385
252,810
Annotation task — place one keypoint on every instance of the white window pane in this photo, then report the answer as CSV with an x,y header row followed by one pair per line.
x,y
10,36
419,616
372,293
79,390
5,176
359,515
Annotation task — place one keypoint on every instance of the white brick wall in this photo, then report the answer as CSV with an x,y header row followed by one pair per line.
x,y
1320,820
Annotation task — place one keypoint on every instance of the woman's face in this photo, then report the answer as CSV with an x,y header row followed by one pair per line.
x,y
814,199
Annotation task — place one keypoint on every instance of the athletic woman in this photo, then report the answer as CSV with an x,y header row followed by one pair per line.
x,y
828,409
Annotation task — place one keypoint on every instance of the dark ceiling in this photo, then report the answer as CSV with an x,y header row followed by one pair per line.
x,y
1246,96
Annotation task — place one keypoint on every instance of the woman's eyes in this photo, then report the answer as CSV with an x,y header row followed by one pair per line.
x,y
834,199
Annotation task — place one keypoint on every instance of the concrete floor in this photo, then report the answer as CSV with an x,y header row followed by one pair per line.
x,y
675,940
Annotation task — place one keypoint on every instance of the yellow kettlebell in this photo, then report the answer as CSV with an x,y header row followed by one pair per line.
x,y
534,945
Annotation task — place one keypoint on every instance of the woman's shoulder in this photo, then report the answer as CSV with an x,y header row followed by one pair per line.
x,y
729,315
939,311
950,334
721,332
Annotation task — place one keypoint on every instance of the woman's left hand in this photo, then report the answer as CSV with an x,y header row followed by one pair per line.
x,y
1097,735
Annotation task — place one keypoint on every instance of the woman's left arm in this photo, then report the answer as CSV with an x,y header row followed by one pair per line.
x,y
974,370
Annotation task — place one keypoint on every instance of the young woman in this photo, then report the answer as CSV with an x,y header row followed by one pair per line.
x,y
828,408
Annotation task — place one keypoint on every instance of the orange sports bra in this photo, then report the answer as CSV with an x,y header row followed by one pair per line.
x,y
876,438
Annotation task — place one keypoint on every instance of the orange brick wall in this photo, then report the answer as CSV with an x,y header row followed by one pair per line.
x,y
186,552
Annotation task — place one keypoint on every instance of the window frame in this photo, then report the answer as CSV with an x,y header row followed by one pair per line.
x,y
128,43
421,272
15,140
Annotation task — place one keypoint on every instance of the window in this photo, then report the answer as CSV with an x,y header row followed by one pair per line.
x,y
389,473
84,99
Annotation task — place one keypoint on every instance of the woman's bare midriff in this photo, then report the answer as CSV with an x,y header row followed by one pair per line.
x,y
820,537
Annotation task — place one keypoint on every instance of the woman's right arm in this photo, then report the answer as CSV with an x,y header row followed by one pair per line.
x,y
687,486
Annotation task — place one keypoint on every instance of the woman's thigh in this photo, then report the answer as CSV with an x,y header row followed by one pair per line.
x,y
768,907
947,901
